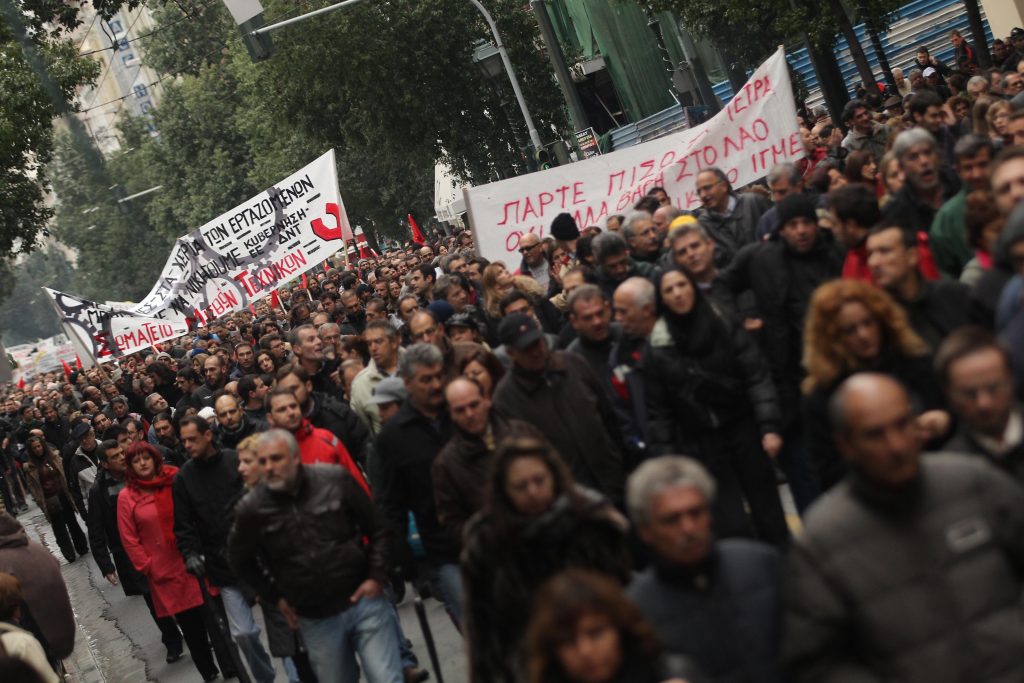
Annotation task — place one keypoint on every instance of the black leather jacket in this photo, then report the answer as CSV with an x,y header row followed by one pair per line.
x,y
319,542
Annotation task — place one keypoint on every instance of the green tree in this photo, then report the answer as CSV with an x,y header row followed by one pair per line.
x,y
27,315
39,72
119,254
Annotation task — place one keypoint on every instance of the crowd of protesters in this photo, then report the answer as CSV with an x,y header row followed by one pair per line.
x,y
580,452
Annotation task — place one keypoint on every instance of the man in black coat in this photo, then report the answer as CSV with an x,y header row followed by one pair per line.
x,y
558,393
205,490
105,542
233,425
717,603
590,314
407,446
934,309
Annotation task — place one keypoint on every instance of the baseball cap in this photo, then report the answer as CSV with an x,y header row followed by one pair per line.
x,y
464,320
930,71
519,331
80,430
1017,32
389,390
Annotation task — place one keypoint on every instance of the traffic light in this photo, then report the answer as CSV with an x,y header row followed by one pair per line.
x,y
545,160
260,46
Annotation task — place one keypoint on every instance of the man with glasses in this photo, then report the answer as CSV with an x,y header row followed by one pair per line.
x,y
641,233
535,263
424,327
729,218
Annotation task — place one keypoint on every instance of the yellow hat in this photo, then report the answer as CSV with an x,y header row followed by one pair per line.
x,y
680,221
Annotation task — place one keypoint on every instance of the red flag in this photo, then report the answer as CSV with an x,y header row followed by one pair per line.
x,y
252,309
305,284
275,300
67,369
326,265
417,236
21,382
78,362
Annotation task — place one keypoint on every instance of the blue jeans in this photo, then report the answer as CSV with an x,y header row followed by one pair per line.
x,y
366,628
247,634
447,583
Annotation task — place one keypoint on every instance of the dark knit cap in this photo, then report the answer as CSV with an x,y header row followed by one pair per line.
x,y
564,228
796,206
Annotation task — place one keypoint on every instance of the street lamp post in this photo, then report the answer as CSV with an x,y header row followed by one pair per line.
x,y
532,129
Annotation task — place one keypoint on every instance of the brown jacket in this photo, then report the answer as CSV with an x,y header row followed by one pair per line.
x,y
35,485
462,472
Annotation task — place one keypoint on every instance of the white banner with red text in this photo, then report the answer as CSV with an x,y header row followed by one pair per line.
x,y
755,131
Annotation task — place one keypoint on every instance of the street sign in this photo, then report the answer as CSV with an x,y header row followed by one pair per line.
x,y
587,141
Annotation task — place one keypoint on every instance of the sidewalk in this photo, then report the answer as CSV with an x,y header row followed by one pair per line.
x,y
117,641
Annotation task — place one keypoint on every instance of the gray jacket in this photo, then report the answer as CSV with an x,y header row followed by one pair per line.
x,y
739,228
923,584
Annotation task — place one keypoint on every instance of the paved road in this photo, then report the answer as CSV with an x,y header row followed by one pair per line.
x,y
117,641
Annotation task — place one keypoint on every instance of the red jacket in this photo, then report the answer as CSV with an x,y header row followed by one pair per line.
x,y
321,446
174,590
855,267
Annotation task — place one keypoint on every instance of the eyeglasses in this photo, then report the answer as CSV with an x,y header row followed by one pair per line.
x,y
427,333
708,188
523,250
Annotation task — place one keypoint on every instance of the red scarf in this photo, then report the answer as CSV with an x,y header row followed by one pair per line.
x,y
160,487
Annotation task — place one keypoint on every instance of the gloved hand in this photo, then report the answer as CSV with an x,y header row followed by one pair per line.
x,y
195,566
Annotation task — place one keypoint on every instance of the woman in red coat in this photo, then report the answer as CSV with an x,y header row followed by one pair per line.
x,y
145,517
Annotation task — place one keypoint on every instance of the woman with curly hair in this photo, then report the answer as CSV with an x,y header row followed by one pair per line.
x,y
536,523
853,327
585,630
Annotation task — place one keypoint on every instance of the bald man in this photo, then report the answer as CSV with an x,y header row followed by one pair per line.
x,y
910,568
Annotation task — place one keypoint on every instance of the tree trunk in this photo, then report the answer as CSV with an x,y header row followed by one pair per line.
x,y
977,32
883,61
842,20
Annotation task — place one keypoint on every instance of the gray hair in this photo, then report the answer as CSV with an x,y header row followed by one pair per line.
x,y
632,218
587,292
416,356
978,81
658,474
328,327
786,169
442,285
279,436
608,244
911,138
642,290
151,398
687,229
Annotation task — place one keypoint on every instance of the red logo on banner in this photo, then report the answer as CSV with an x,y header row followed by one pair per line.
x,y
322,231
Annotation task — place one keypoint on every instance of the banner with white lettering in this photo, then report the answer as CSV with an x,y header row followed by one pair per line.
x,y
225,265
755,131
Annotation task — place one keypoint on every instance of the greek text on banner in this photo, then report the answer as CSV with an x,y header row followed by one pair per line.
x,y
755,131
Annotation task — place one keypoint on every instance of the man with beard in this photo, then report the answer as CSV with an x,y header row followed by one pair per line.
x,y
167,437
407,446
245,361
948,236
355,314
214,371
927,186
233,424
326,412
55,426
309,354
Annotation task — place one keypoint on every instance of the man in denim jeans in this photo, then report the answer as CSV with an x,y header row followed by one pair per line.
x,y
309,539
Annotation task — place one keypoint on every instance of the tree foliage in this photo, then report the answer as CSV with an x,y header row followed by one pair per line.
x,y
39,72
27,314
